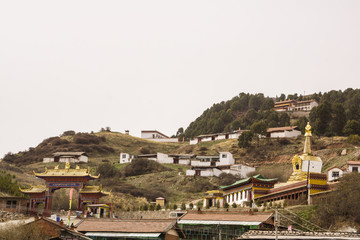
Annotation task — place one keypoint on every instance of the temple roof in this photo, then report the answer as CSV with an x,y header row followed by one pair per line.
x,y
93,189
34,189
66,172
257,177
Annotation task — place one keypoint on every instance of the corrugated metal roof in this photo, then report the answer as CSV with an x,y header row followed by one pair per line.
x,y
112,234
219,222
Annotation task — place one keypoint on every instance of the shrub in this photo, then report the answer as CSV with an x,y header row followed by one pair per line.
x,y
199,204
108,170
144,150
234,205
227,179
341,203
85,138
183,206
175,206
284,141
152,207
68,133
143,166
191,206
353,139
226,205
157,207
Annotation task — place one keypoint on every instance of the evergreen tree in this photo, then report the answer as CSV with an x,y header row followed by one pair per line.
x,y
244,140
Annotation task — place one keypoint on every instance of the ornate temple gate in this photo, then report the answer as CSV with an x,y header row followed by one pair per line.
x,y
63,178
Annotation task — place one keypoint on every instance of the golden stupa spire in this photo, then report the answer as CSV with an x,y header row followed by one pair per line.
x,y
307,147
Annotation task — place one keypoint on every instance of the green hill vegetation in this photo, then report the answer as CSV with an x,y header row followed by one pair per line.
x,y
338,114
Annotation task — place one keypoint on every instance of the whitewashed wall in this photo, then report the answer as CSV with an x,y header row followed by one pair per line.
x,y
352,166
48,159
197,163
226,158
164,158
193,141
125,158
285,134
190,172
330,174
315,166
164,139
184,161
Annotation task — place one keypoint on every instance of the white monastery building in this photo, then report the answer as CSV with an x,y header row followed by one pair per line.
x,y
283,132
216,136
72,157
157,136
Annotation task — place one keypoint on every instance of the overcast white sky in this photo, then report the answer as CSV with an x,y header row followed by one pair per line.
x,y
143,65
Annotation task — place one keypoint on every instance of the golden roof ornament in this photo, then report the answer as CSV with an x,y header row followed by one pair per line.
x,y
67,165
307,146
308,130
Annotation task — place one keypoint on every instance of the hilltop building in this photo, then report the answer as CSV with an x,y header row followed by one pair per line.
x,y
216,136
157,136
283,132
294,105
72,157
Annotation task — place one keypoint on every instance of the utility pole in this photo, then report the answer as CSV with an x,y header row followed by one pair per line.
x,y
276,223
219,227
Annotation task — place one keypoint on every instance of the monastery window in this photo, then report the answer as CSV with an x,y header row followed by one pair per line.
x,y
297,166
124,156
355,169
335,174
11,204
223,156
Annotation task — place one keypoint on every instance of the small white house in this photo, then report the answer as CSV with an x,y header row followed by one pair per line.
x,y
225,158
306,105
204,172
354,166
72,157
157,136
334,174
283,132
126,158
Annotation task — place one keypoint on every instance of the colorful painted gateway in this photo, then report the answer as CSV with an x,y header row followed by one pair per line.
x,y
63,178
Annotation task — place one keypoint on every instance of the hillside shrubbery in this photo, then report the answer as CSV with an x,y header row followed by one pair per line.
x,y
338,114
341,207
8,184
142,166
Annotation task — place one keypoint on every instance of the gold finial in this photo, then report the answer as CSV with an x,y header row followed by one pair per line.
x,y
77,167
67,165
308,130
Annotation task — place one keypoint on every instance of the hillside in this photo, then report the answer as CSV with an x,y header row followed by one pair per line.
x,y
338,114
